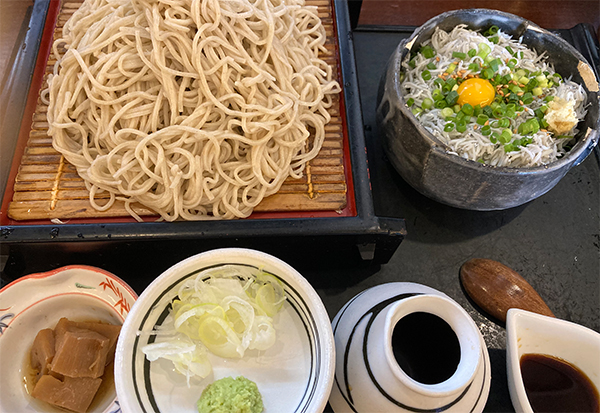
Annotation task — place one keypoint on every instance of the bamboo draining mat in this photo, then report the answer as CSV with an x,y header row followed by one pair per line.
x,y
48,187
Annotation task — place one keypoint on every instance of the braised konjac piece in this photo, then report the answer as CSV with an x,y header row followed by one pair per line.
x,y
74,394
70,361
42,351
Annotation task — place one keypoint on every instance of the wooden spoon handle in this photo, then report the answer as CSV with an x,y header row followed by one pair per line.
x,y
497,288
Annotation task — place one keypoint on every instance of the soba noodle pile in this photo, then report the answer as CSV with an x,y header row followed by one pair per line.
x,y
197,109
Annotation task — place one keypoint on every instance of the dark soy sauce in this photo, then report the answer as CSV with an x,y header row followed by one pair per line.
x,y
425,347
554,385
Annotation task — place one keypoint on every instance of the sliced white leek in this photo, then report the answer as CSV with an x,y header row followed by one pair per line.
x,y
227,310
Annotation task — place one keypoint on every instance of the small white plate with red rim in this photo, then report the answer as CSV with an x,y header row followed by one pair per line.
x,y
37,301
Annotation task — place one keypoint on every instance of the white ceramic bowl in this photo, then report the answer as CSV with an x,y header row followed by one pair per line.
x,y
38,301
294,375
528,333
369,378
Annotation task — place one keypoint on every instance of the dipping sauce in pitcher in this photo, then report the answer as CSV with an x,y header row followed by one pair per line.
x,y
426,347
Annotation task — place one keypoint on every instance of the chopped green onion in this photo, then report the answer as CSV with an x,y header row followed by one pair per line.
x,y
431,66
512,63
472,53
467,109
539,113
449,127
427,103
494,138
503,123
415,111
451,68
549,98
426,75
520,73
505,136
527,98
460,116
532,83
437,94
440,104
447,112
486,130
477,110
537,91
494,39
515,89
410,102
535,126
439,82
412,63
484,50
492,30
498,112
452,97
523,80
509,148
427,52
474,67
459,55
487,73
451,82
510,50
456,108
482,119
461,126
487,110
494,64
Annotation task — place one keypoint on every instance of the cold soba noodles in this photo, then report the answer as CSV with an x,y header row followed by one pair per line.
x,y
491,99
194,109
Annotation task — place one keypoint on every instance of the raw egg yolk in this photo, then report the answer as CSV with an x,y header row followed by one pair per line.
x,y
475,91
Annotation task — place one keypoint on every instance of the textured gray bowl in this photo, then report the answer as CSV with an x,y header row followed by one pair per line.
x,y
423,161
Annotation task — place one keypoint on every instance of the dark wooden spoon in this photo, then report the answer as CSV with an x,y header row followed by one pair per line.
x,y
497,288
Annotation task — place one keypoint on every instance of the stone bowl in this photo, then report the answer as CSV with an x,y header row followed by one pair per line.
x,y
425,162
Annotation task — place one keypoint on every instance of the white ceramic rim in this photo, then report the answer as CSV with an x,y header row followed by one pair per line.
x,y
465,330
73,280
326,365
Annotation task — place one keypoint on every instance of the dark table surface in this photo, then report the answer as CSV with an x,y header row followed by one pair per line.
x,y
553,241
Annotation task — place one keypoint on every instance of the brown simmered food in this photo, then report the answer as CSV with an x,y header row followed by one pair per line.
x,y
70,362
74,394
42,351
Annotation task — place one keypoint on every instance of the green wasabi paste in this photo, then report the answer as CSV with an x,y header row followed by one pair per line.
x,y
229,395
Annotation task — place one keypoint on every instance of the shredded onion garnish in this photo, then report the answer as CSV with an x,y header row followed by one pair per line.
x,y
224,311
